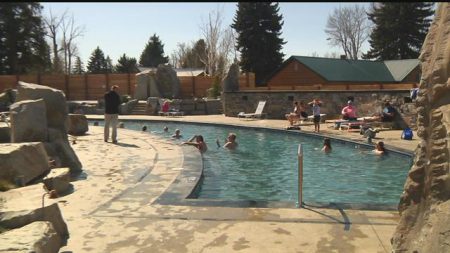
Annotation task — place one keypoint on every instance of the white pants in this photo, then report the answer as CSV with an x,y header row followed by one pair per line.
x,y
111,119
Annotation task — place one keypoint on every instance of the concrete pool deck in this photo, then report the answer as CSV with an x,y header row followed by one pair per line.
x,y
113,209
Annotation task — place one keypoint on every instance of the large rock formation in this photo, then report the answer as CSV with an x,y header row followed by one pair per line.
x,y
424,205
56,112
29,119
51,213
167,81
22,162
39,237
231,82
55,102
77,124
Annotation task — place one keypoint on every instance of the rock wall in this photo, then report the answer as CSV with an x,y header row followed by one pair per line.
x,y
424,205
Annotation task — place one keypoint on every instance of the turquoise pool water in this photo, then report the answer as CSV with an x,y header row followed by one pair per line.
x,y
264,167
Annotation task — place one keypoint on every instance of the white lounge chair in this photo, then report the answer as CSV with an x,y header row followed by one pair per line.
x,y
258,113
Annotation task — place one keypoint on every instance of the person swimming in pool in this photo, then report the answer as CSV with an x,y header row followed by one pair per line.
x,y
177,134
379,148
326,145
199,143
230,142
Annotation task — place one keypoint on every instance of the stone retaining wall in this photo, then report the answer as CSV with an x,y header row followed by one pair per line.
x,y
280,102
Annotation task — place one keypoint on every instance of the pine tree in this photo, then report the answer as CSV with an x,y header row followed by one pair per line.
x,y
23,48
78,68
97,63
400,29
153,53
126,64
109,65
258,26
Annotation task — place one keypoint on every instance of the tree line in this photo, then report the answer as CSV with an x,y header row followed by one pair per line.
x,y
394,30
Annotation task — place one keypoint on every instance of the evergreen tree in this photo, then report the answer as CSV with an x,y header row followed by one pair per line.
x,y
258,26
126,64
97,63
109,65
23,48
78,68
400,29
153,53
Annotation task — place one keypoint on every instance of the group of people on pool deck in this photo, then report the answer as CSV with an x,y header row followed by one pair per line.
x,y
379,147
299,113
387,115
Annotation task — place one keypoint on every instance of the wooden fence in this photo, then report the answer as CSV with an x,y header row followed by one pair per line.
x,y
93,86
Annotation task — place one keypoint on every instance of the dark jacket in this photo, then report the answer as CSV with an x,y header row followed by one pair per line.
x,y
112,102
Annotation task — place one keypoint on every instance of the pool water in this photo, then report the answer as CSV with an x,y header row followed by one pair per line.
x,y
264,167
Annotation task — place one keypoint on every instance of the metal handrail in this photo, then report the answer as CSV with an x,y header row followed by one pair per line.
x,y
300,176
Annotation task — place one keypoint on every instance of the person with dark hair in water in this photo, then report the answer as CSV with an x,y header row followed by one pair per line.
x,y
199,143
326,145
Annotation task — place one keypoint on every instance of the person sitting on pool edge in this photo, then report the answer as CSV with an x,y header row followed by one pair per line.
x,y
177,134
326,145
199,144
379,148
230,142
349,112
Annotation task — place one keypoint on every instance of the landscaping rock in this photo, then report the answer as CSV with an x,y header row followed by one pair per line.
x,y
58,179
424,206
60,147
39,237
77,124
51,213
55,102
22,162
167,81
5,134
28,121
231,82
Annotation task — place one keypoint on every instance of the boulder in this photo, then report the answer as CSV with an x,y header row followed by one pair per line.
x,y
167,81
127,108
231,82
55,102
22,162
77,124
51,213
5,134
59,146
58,179
28,121
39,237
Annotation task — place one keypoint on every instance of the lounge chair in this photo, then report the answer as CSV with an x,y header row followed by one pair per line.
x,y
258,113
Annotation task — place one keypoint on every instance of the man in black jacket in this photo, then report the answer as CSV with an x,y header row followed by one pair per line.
x,y
112,102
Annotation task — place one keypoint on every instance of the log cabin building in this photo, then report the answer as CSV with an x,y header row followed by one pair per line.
x,y
315,73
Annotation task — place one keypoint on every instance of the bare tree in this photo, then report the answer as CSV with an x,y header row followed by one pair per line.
x,y
331,55
53,24
219,44
70,33
314,54
349,28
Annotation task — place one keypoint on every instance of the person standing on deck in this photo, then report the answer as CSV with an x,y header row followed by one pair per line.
x,y
112,102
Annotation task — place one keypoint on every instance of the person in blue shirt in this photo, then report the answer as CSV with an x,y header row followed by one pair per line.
x,y
388,113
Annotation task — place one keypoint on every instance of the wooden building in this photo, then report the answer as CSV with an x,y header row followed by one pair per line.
x,y
314,73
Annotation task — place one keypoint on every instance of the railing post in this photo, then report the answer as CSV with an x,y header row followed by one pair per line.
x,y
300,176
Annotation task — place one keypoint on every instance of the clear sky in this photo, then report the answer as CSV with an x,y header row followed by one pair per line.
x,y
119,28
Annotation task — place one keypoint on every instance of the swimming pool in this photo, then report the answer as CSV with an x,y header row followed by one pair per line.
x,y
264,167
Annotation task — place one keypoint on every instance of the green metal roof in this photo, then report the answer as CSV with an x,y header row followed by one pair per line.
x,y
401,68
339,70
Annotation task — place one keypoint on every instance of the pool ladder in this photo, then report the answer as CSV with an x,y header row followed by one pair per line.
x,y
299,203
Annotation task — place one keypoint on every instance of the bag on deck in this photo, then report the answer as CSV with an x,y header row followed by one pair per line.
x,y
407,134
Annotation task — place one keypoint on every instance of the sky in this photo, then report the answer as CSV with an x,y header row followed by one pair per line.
x,y
119,28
